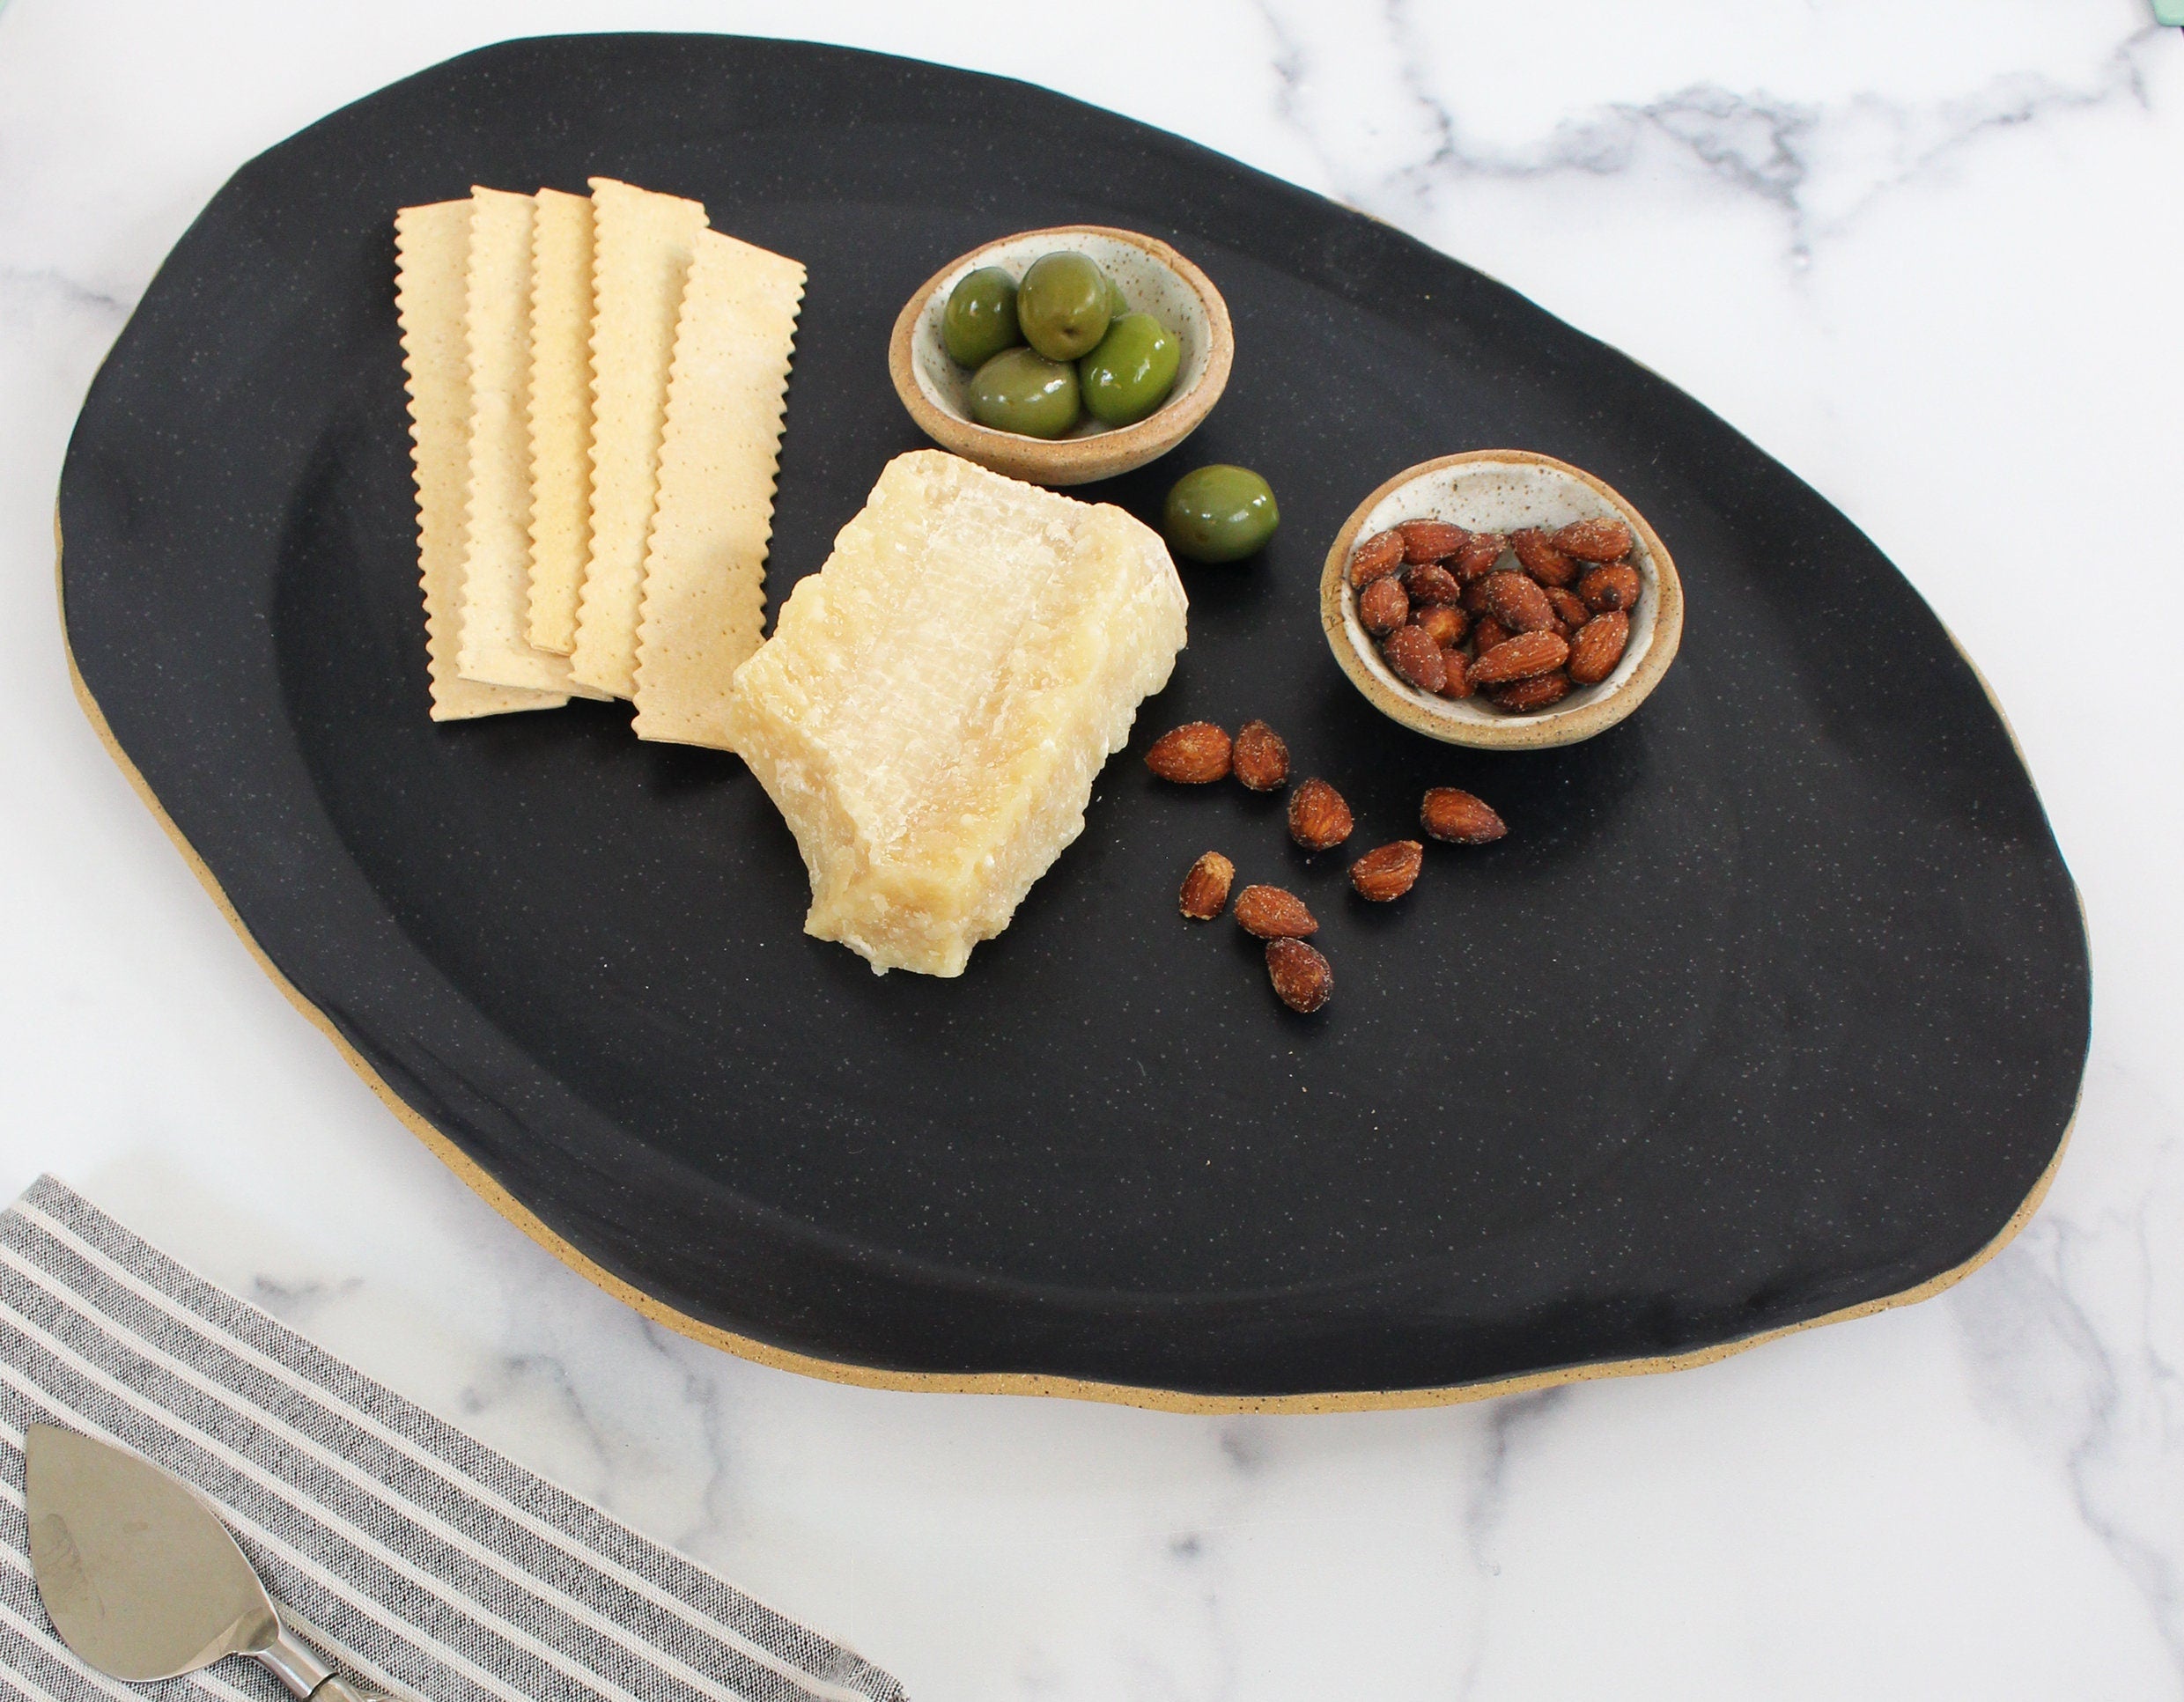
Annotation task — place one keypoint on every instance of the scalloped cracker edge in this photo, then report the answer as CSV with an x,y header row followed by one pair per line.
x,y
431,257
495,648
640,259
561,415
705,564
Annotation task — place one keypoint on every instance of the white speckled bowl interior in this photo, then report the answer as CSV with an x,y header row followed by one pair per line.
x,y
1502,491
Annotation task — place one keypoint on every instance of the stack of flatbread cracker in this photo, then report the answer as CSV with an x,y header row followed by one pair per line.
x,y
596,391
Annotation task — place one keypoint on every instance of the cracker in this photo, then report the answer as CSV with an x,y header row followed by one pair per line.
x,y
561,415
706,563
495,595
432,254
641,257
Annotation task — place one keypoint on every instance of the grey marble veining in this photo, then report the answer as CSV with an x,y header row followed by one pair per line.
x,y
1818,162
1930,256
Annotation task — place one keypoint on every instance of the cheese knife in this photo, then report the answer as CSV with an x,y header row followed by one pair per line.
x,y
141,1578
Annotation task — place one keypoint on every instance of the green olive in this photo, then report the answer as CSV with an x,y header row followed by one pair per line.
x,y
1021,391
981,317
1131,373
1219,514
1063,306
1118,303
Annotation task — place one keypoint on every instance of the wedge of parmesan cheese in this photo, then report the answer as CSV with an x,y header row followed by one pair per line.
x,y
935,703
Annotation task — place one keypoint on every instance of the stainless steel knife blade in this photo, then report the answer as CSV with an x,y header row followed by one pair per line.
x,y
140,1576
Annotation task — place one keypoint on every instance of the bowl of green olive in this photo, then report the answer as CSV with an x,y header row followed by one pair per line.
x,y
1065,355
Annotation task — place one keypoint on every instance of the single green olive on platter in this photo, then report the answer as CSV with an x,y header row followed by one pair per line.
x,y
1118,303
980,320
1020,390
1063,304
1219,514
1131,373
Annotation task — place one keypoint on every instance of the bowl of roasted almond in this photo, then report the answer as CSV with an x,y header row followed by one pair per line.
x,y
1500,599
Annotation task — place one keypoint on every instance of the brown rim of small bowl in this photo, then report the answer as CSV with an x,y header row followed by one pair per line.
x,y
1069,460
1594,713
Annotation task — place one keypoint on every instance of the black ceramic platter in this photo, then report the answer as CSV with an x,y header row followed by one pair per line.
x,y
1772,1006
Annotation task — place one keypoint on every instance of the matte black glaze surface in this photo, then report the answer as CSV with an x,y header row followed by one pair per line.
x,y
1775,1000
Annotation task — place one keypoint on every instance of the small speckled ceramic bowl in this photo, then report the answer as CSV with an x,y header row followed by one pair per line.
x,y
1501,491
1155,279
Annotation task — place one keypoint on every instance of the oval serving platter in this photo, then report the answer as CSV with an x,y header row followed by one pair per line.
x,y
1771,1007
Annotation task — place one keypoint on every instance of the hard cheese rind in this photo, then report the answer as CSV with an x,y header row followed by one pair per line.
x,y
705,564
640,260
431,250
935,703
495,648
561,415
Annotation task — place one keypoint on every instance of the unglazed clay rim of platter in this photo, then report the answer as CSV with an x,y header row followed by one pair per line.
x,y
416,1027
1451,488
1156,279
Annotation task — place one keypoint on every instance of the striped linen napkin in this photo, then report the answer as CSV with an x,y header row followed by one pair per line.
x,y
416,1558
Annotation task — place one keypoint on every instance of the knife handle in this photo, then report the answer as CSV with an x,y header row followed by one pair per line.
x,y
338,1688
306,1677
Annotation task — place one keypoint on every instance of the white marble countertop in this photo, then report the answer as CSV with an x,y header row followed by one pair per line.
x,y
1930,256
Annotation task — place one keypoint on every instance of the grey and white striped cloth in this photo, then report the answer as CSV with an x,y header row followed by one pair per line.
x,y
416,1558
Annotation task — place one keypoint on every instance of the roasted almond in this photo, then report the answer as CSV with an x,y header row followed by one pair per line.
x,y
1570,608
1388,872
1517,603
1598,646
1473,601
1318,818
1519,659
1383,606
1193,754
1260,759
1460,818
1456,669
1379,556
1206,889
1432,583
1486,634
1476,559
1541,559
1273,913
1415,658
1303,980
1445,626
1537,692
1430,541
1594,541
1609,587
